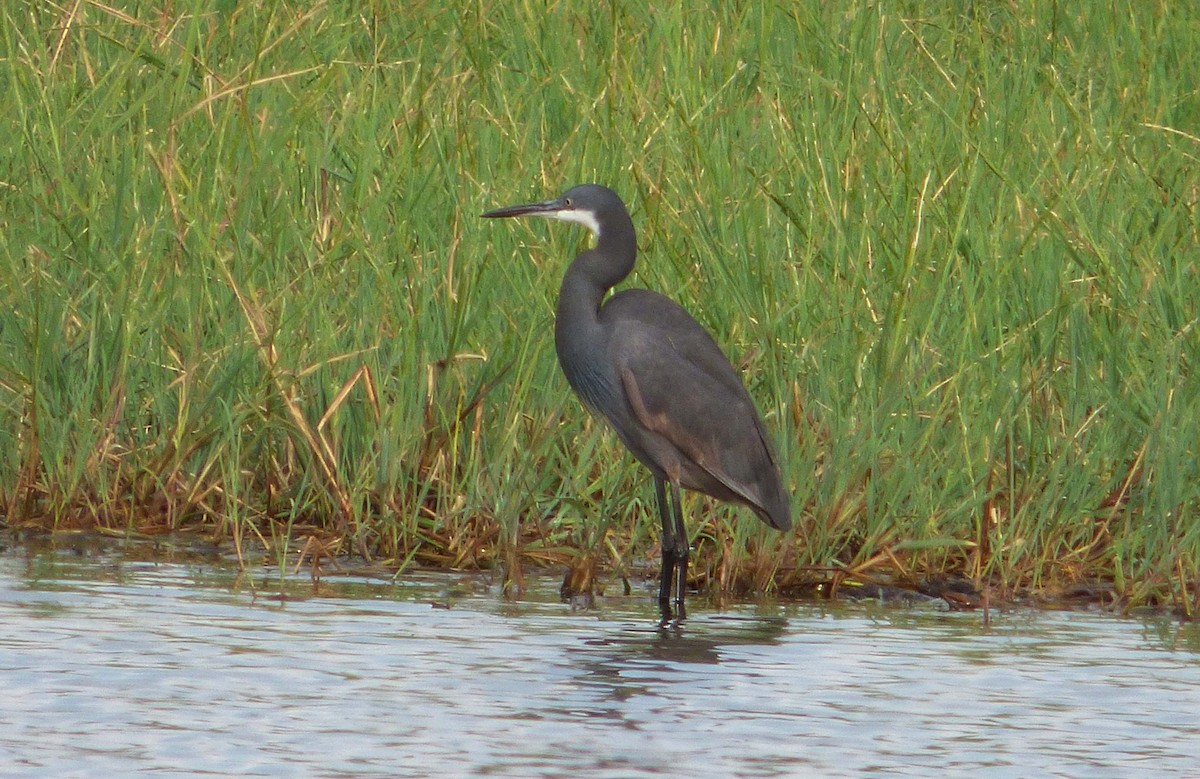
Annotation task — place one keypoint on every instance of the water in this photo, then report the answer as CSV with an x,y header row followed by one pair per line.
x,y
114,667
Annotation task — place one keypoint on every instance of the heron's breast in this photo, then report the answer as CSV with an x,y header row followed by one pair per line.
x,y
593,382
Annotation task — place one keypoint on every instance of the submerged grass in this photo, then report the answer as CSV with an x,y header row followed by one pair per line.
x,y
953,251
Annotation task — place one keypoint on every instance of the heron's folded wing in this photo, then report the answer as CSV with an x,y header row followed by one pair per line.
x,y
696,402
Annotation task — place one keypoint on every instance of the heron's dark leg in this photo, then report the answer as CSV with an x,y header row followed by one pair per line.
x,y
682,548
668,546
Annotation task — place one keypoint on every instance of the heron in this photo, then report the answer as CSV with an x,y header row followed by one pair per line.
x,y
641,362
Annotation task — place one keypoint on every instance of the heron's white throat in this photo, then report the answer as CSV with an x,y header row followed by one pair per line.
x,y
579,217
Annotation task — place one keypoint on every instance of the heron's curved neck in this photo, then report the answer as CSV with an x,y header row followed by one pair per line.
x,y
591,275
595,272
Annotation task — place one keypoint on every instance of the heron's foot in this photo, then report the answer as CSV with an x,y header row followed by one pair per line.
x,y
672,616
673,584
681,563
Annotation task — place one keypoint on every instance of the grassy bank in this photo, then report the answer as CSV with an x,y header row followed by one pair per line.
x,y
955,255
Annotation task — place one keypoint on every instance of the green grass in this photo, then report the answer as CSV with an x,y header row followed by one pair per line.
x,y
954,253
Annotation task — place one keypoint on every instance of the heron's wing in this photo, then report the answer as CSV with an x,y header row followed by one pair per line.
x,y
681,387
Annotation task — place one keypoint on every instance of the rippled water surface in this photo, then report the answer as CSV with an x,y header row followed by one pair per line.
x,y
114,667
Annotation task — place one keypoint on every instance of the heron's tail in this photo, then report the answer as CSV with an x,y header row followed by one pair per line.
x,y
776,511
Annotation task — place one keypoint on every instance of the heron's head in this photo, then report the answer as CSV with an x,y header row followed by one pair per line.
x,y
587,204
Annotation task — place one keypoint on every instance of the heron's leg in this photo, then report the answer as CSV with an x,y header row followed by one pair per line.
x,y
682,548
668,544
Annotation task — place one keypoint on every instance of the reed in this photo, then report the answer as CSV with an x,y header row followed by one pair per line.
x,y
953,251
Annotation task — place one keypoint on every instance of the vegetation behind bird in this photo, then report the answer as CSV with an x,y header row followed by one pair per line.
x,y
245,287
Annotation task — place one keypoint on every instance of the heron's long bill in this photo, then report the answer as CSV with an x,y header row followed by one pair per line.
x,y
544,208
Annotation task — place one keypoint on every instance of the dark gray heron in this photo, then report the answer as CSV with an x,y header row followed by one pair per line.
x,y
659,379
